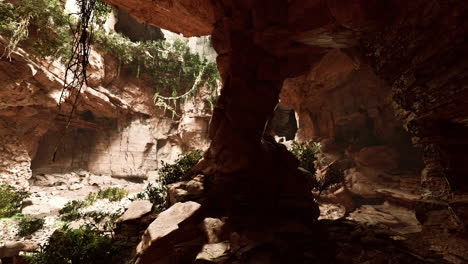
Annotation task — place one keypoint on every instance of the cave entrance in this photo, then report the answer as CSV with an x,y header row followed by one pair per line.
x,y
283,125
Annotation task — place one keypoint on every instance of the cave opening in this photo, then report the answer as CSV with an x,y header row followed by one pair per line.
x,y
237,132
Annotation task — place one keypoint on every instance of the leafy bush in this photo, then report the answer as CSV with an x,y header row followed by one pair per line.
x,y
11,201
44,18
156,194
70,211
306,154
113,194
29,225
76,246
181,169
73,206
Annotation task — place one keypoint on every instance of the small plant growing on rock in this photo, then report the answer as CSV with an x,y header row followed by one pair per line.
x,y
181,169
306,154
11,200
29,225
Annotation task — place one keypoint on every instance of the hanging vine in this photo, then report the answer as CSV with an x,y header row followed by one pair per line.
x,y
75,73
172,68
164,101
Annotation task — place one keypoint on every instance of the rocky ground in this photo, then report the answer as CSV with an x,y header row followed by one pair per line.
x,y
49,193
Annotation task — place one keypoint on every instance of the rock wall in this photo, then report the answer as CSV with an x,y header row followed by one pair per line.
x,y
345,106
116,129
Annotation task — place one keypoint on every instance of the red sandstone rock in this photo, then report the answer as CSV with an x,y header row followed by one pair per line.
x,y
379,157
175,225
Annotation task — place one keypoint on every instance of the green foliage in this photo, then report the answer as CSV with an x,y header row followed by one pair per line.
x,y
306,154
181,169
11,201
74,205
101,12
156,194
43,18
28,225
76,246
70,211
113,194
50,26
173,67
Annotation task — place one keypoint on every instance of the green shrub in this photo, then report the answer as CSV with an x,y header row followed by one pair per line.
x,y
70,212
74,205
156,194
306,154
76,246
181,169
113,194
11,201
28,225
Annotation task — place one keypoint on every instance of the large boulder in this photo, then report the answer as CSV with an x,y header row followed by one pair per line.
x,y
12,249
131,225
161,242
136,210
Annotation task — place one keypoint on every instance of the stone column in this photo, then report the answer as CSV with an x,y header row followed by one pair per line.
x,y
247,173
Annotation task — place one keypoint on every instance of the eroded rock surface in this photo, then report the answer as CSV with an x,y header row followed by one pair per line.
x,y
116,130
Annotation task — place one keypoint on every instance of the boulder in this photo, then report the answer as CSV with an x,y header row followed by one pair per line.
x,y
161,241
214,229
214,253
11,249
136,210
186,191
131,225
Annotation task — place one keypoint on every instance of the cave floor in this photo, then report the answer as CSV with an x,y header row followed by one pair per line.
x,y
50,192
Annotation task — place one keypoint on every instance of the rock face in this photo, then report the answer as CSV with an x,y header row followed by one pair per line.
x,y
342,65
428,87
116,130
193,18
343,105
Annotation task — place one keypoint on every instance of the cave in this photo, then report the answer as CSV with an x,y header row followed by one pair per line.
x,y
376,89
